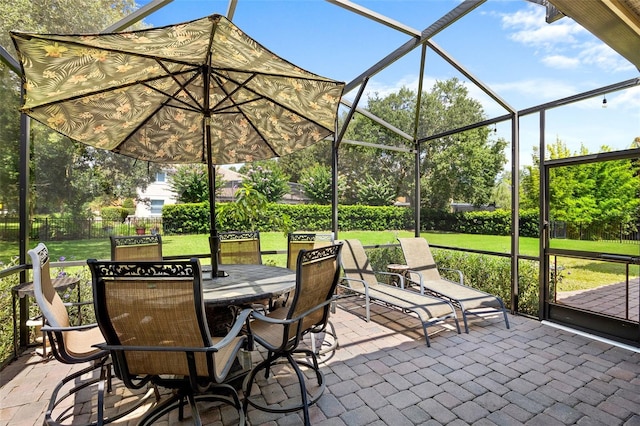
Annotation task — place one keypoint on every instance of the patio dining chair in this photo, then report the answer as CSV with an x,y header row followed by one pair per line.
x,y
281,331
297,241
136,247
239,247
153,319
327,340
424,273
70,345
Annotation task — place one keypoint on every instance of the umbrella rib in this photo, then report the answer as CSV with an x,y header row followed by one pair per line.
x,y
260,96
228,96
183,87
110,89
107,49
162,105
217,76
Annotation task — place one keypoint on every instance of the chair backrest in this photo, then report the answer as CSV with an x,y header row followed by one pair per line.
x,y
297,241
151,304
418,256
356,266
48,300
241,248
317,274
136,247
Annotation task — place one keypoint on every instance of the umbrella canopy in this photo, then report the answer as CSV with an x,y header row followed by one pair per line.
x,y
199,91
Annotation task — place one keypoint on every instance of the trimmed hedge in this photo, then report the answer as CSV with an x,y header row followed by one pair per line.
x,y
194,218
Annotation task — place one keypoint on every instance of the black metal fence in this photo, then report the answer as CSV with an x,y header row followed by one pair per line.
x,y
63,229
622,233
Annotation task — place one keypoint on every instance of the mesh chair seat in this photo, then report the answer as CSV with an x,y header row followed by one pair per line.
x,y
239,248
153,319
281,331
71,345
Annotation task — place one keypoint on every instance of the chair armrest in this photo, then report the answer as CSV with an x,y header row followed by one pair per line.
x,y
241,319
400,277
419,274
366,286
460,276
262,317
72,328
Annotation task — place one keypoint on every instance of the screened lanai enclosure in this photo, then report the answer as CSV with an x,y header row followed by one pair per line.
x,y
587,278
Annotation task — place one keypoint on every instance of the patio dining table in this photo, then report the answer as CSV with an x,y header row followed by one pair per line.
x,y
244,285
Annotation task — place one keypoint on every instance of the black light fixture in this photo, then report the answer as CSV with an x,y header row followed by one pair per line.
x,y
604,101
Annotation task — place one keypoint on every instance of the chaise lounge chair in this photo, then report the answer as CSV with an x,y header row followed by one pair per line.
x,y
360,278
424,272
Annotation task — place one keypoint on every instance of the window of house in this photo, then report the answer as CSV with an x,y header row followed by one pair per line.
x,y
161,177
156,207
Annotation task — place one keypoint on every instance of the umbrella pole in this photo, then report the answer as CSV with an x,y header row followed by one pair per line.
x,y
214,239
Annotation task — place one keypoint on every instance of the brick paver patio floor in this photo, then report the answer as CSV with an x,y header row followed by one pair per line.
x,y
384,374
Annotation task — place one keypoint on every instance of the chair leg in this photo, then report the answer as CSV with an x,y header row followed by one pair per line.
x,y
306,399
303,389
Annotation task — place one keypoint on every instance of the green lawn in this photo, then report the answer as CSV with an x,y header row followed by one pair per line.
x,y
199,244
577,273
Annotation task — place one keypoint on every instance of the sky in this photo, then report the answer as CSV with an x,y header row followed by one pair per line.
x,y
505,44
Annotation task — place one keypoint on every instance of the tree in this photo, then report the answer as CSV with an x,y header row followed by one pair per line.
x,y
66,180
375,192
9,141
602,193
386,165
190,183
462,167
81,174
267,178
501,194
317,182
294,164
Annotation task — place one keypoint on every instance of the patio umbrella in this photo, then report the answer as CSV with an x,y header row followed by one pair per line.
x,y
199,91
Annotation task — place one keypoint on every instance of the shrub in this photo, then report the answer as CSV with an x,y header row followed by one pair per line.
x,y
114,213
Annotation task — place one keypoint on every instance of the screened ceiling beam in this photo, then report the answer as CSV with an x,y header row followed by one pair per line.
x,y
375,16
380,146
486,89
10,61
378,120
231,9
582,96
456,13
136,16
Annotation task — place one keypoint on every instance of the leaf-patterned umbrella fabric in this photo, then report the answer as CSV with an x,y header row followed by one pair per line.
x,y
148,94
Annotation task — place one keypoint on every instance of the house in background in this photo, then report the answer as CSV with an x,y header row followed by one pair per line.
x,y
159,192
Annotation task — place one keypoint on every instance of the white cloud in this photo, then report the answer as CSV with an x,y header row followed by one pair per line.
x,y
604,58
563,44
530,28
560,62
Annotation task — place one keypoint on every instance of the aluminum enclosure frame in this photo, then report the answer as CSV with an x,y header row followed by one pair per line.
x,y
417,39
